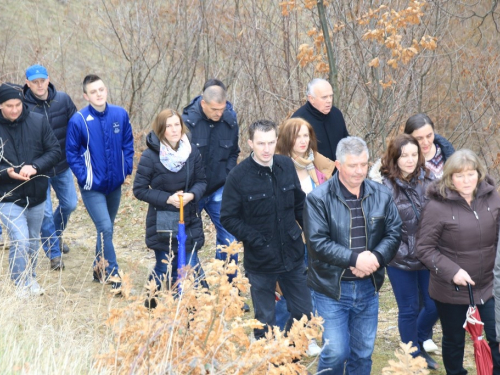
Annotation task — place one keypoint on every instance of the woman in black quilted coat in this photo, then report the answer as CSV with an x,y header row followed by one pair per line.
x,y
169,161
403,170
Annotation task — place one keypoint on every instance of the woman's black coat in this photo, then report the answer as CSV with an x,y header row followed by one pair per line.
x,y
154,184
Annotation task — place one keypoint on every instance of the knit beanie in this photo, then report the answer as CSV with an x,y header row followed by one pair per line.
x,y
9,91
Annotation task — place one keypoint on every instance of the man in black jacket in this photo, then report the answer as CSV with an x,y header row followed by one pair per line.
x,y
29,149
262,206
327,121
42,97
214,129
353,230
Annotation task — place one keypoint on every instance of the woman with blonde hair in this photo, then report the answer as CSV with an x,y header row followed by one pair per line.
x,y
457,241
170,167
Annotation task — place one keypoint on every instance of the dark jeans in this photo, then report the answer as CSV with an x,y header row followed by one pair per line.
x,y
414,324
211,204
293,284
452,320
282,314
161,267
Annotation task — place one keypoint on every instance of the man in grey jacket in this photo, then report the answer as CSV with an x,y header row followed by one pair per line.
x,y
353,230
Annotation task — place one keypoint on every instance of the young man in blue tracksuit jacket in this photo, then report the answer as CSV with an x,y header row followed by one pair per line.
x,y
100,150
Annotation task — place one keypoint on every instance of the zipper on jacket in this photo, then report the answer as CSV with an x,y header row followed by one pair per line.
x,y
340,281
366,239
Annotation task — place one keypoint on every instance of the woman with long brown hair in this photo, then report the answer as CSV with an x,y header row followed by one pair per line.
x,y
402,169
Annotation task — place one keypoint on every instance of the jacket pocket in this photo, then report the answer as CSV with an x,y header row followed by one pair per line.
x,y
258,205
295,232
225,146
288,192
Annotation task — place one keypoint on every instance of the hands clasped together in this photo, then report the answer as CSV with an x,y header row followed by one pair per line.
x,y
366,264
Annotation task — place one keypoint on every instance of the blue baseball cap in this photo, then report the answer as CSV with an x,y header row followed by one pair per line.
x,y
36,71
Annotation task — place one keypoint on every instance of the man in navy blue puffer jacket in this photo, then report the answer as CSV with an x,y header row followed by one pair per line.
x,y
41,97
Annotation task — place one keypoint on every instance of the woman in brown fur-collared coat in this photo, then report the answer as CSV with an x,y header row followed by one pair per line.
x,y
296,139
457,241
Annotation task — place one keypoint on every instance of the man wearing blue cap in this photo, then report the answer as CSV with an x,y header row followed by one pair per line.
x,y
41,96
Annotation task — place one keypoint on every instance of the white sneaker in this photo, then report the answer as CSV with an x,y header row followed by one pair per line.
x,y
35,289
22,292
430,346
313,350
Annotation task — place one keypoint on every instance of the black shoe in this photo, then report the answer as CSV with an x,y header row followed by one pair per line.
x,y
96,278
431,363
65,248
245,307
150,303
56,264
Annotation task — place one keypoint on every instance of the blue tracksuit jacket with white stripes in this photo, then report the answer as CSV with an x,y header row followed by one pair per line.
x,y
100,147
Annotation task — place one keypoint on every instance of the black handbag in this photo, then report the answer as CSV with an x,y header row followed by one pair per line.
x,y
167,222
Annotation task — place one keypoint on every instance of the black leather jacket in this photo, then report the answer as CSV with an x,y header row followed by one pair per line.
x,y
327,226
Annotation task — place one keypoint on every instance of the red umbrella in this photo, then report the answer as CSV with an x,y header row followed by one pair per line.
x,y
482,351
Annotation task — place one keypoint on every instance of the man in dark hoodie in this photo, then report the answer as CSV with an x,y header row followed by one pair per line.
x,y
214,129
327,121
41,96
29,150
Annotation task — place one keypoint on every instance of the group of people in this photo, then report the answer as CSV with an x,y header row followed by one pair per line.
x,y
313,220
45,141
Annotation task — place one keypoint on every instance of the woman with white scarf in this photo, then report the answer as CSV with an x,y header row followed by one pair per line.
x,y
170,167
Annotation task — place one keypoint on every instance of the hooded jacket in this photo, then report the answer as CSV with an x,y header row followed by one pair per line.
x,y
100,148
445,145
216,140
405,258
327,226
58,109
154,184
329,128
27,140
453,236
261,207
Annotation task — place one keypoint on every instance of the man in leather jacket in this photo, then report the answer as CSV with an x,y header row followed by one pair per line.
x,y
353,230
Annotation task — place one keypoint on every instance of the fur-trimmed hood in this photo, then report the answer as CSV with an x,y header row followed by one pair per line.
x,y
484,187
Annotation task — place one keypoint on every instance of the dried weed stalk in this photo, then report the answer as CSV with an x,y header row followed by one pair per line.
x,y
407,365
202,331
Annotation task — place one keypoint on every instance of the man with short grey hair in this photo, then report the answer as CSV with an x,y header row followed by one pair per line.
x,y
353,230
214,129
327,121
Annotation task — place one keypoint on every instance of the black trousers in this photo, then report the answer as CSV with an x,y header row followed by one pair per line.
x,y
293,284
452,320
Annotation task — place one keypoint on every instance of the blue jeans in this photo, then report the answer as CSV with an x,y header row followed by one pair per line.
x,y
102,209
350,328
294,288
161,267
414,324
211,204
23,226
55,222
